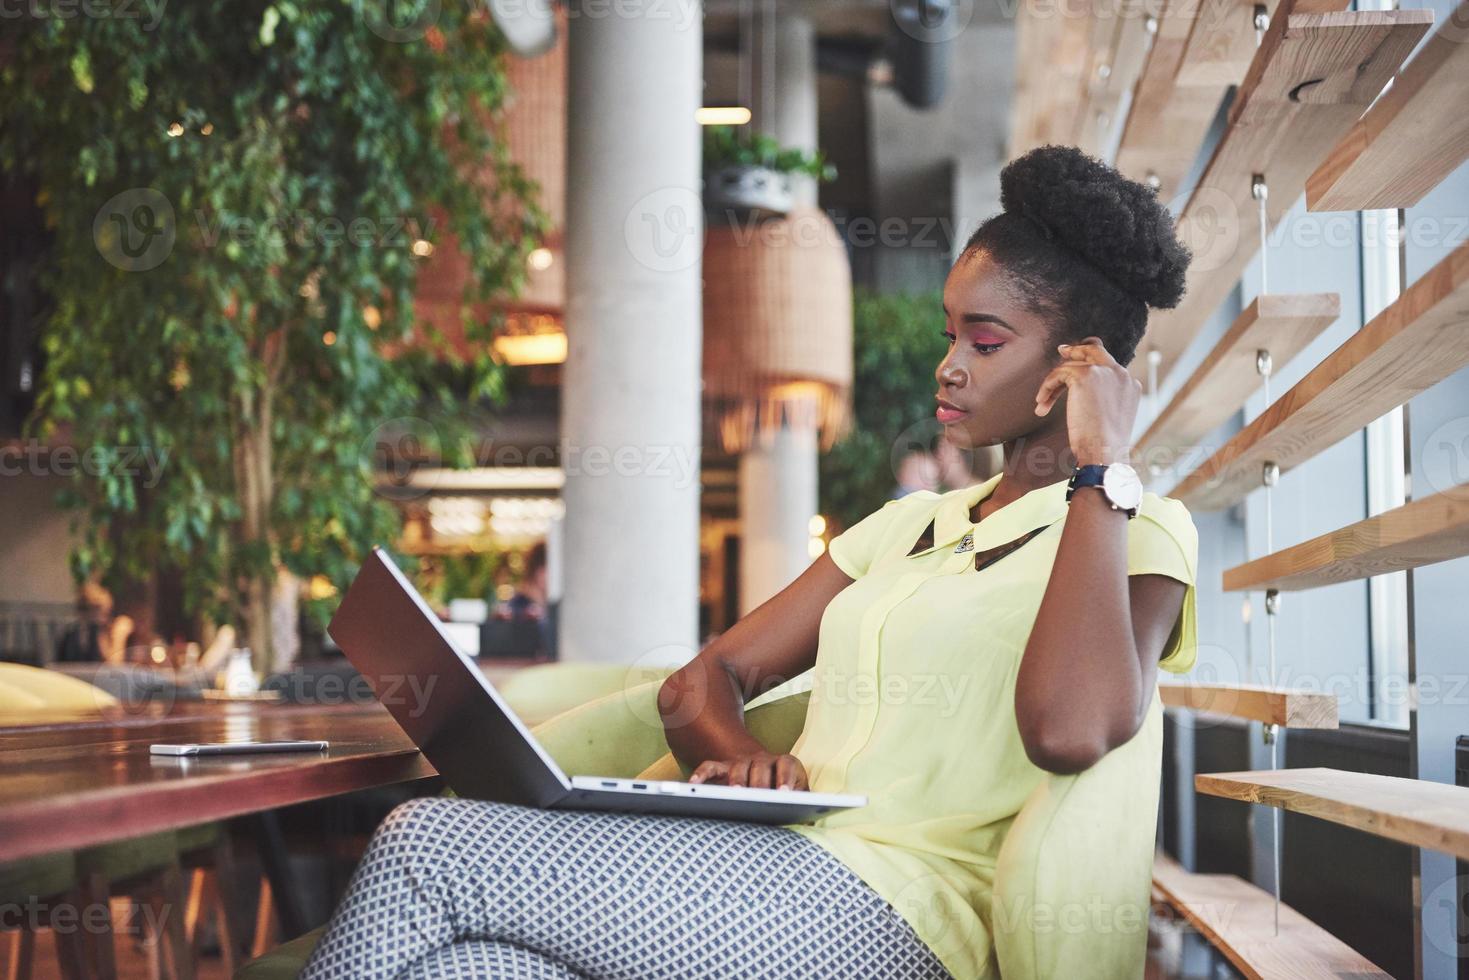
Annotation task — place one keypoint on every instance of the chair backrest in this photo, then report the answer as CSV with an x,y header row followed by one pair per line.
x,y
1074,879
17,701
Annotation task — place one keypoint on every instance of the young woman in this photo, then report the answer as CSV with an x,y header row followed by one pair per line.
x,y
963,645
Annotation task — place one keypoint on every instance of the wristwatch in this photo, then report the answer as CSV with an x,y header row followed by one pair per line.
x,y
1118,481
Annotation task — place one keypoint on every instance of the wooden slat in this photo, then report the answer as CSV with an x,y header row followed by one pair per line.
x,y
1221,45
1416,342
1280,323
1119,46
1238,919
1419,533
1255,702
1412,811
1052,55
1167,123
1311,79
1175,101
1412,138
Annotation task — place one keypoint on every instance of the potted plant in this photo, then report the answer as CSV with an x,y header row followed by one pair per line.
x,y
753,173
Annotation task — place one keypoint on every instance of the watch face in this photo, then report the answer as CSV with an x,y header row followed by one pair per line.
x,y
1121,484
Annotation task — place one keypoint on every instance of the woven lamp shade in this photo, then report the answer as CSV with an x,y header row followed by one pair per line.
x,y
777,329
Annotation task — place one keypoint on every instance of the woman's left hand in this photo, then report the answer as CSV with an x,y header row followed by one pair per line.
x,y
1101,401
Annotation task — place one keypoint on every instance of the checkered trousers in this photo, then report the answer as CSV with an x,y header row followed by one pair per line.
x,y
463,888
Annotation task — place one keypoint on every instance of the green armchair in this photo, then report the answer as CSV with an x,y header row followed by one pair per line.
x,y
1074,879
1074,876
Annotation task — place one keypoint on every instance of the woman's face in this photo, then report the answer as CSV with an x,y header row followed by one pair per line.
x,y
999,353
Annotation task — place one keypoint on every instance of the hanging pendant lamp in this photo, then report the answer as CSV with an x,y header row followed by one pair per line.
x,y
777,329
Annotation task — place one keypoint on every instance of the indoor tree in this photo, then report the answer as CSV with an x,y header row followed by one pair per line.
x,y
241,196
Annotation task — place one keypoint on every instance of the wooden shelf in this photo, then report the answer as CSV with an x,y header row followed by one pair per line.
x,y
1255,702
1419,533
1311,79
1238,919
1281,323
1416,342
1412,138
1410,811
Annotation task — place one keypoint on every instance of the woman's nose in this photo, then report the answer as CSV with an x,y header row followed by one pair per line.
x,y
951,374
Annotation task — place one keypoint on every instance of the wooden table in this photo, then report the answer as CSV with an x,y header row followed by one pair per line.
x,y
76,781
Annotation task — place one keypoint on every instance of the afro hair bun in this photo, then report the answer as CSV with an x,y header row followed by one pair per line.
x,y
1116,225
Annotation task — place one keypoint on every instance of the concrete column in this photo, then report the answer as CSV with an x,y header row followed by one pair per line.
x,y
788,111
630,395
778,475
777,500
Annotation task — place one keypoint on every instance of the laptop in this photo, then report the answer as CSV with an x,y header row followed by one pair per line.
x,y
466,730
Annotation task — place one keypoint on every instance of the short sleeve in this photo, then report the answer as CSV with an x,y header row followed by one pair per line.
x,y
856,549
1162,540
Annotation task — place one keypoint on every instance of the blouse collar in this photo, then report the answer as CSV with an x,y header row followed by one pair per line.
x,y
1039,507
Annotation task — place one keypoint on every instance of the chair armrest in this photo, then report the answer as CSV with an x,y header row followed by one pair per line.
x,y
540,693
621,734
1074,877
775,724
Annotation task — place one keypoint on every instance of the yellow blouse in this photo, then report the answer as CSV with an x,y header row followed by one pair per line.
x,y
913,690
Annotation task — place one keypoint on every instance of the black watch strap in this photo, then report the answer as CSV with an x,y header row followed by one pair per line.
x,y
1092,475
1085,476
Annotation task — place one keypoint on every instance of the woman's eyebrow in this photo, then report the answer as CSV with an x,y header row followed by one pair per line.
x,y
987,318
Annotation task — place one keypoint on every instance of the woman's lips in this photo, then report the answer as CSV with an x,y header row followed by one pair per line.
x,y
947,413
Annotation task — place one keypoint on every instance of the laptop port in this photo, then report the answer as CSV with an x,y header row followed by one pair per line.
x,y
639,785
609,784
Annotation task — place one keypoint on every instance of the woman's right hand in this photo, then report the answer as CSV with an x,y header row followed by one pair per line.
x,y
759,770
